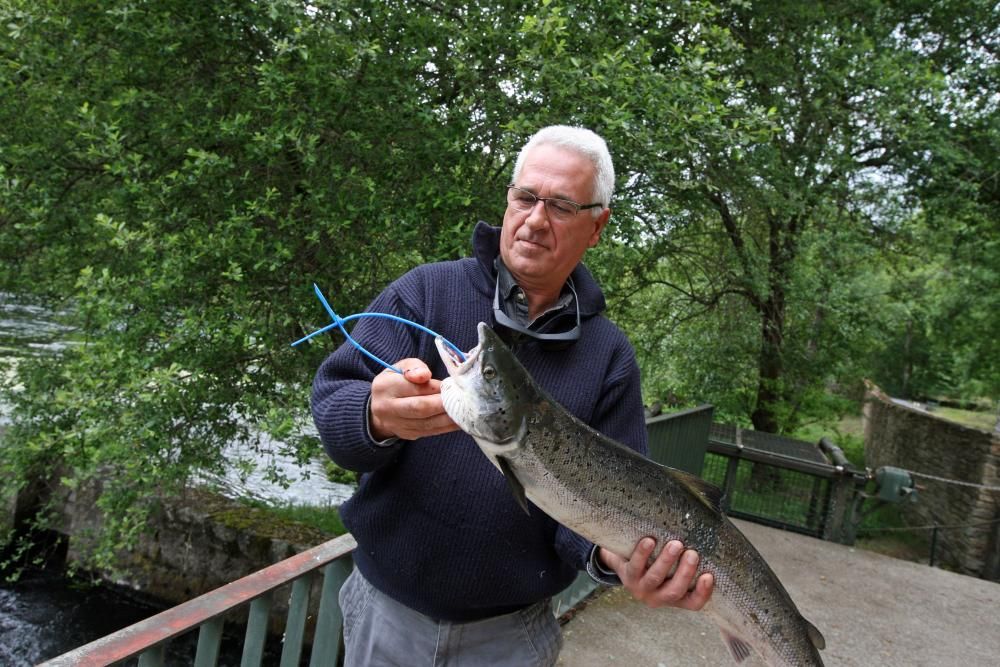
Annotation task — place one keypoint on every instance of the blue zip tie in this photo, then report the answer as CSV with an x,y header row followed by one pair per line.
x,y
338,322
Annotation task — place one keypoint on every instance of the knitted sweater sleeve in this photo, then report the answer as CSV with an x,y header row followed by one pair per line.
x,y
618,415
342,388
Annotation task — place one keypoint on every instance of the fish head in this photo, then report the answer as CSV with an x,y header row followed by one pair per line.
x,y
488,394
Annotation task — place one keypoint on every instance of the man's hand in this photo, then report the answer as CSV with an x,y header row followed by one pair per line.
x,y
653,583
408,406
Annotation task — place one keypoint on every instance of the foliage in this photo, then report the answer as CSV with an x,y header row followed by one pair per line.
x,y
174,176
847,433
777,265
337,474
884,530
949,285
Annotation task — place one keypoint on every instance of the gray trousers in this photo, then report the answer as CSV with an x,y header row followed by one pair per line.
x,y
380,632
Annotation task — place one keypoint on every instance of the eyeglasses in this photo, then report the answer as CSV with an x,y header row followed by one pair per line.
x,y
561,210
559,338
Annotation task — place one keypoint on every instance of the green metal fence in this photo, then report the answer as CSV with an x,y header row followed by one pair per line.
x,y
680,439
782,482
326,565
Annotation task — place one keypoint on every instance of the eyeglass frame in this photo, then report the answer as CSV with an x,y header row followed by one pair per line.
x,y
504,320
579,207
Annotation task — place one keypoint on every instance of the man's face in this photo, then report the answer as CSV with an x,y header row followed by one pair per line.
x,y
540,252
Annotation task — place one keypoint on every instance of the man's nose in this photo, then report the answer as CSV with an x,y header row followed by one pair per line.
x,y
538,216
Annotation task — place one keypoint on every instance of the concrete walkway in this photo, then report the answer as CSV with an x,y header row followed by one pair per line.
x,y
872,610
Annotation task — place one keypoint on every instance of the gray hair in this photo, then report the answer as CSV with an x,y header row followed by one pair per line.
x,y
585,142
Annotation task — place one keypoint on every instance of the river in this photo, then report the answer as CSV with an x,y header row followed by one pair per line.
x,y
44,614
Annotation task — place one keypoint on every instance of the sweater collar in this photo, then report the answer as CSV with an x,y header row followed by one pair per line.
x,y
486,247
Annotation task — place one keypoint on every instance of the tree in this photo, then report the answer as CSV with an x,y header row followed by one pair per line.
x,y
175,177
864,99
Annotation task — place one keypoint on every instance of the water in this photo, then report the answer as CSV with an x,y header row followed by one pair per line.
x,y
45,614
306,485
43,617
26,330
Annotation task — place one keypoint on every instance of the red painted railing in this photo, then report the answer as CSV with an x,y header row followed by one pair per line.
x,y
148,639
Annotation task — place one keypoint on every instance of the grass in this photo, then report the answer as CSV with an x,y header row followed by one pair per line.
x,y
981,419
847,433
885,531
325,518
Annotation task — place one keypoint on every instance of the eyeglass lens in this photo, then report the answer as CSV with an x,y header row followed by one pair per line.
x,y
523,200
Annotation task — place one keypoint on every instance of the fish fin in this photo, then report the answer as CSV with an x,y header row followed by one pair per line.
x,y
738,647
513,483
707,492
815,636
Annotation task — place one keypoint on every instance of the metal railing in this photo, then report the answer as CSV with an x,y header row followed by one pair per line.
x,y
784,483
148,639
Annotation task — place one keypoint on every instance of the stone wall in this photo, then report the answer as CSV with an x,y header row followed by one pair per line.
x,y
919,441
196,544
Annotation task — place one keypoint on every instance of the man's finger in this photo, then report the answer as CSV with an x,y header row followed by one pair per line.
x,y
638,562
420,406
675,589
417,373
411,429
702,592
666,562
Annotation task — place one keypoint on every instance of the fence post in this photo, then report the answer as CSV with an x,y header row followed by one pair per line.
x,y
839,510
839,513
732,467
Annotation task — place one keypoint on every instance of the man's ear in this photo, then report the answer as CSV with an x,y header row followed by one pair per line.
x,y
599,223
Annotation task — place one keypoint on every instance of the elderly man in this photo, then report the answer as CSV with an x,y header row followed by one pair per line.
x,y
449,569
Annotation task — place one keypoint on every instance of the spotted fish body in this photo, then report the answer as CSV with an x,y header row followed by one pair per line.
x,y
613,496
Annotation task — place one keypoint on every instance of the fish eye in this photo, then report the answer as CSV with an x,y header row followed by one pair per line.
x,y
489,372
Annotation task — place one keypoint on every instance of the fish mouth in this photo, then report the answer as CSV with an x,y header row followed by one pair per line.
x,y
452,361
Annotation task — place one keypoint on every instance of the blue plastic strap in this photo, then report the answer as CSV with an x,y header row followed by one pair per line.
x,y
338,322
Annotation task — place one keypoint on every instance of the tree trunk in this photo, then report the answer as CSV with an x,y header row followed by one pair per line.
x,y
769,364
769,394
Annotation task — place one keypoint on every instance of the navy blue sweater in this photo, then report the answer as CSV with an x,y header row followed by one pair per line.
x,y
437,527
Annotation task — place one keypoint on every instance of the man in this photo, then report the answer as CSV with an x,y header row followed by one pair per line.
x,y
449,569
